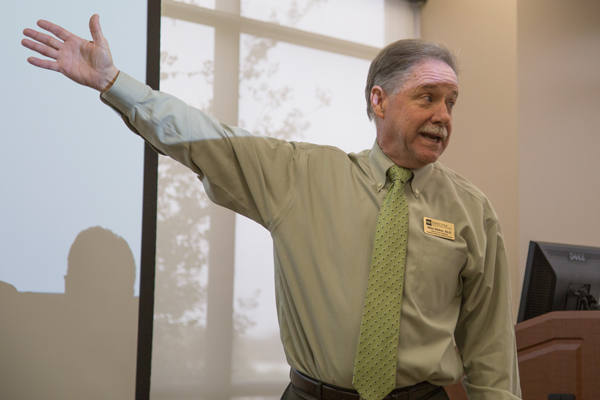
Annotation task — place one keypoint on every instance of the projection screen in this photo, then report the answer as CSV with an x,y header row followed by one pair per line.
x,y
72,181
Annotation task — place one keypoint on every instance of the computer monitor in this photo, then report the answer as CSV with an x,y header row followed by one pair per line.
x,y
560,277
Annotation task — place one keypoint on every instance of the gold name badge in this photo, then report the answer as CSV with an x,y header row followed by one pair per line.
x,y
438,228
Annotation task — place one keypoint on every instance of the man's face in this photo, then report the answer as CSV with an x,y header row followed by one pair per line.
x,y
414,125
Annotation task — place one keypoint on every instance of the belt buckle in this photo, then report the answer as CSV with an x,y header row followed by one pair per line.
x,y
403,395
418,391
396,396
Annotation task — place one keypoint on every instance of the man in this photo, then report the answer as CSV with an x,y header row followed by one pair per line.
x,y
386,262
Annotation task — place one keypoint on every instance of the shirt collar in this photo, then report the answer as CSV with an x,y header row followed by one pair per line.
x,y
380,163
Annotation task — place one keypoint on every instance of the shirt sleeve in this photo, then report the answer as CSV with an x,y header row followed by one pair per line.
x,y
251,175
485,333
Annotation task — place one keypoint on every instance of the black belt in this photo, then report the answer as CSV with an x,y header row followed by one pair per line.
x,y
325,391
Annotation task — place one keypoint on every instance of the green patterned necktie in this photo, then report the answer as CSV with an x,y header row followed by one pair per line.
x,y
376,356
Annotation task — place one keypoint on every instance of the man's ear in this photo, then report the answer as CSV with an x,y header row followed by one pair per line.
x,y
378,101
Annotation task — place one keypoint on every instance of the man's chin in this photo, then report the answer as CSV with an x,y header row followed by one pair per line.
x,y
426,159
430,154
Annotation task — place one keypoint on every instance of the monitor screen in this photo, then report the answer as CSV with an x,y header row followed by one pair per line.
x,y
559,277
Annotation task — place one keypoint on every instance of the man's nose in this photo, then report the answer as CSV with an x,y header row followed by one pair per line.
x,y
441,114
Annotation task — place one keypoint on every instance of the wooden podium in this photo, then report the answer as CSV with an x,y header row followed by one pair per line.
x,y
559,353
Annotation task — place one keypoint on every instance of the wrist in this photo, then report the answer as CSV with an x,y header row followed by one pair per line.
x,y
109,80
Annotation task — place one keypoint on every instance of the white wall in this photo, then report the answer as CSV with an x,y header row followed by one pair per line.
x,y
559,134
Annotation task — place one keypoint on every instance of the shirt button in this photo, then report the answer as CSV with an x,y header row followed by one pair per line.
x,y
417,191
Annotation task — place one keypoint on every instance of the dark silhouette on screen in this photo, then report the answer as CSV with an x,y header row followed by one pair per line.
x,y
77,345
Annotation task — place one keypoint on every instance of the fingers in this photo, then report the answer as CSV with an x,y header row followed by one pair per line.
x,y
40,48
58,31
95,29
43,38
46,64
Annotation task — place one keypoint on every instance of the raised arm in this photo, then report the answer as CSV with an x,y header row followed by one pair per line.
x,y
87,63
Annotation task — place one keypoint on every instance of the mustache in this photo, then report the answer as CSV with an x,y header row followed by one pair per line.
x,y
437,130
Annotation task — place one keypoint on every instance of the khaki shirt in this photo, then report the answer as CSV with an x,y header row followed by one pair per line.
x,y
321,206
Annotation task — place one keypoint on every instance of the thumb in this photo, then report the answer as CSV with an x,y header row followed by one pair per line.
x,y
96,30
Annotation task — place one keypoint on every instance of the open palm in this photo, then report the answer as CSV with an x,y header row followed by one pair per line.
x,y
87,63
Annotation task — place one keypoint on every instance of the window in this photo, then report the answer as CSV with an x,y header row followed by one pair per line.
x,y
289,69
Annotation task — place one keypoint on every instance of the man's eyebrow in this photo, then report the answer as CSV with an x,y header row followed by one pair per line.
x,y
433,86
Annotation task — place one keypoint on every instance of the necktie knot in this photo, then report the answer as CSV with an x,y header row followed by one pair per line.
x,y
397,173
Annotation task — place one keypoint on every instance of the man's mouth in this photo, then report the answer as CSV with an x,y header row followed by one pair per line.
x,y
430,136
434,133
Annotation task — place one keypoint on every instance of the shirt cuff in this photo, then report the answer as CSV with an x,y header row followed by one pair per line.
x,y
124,93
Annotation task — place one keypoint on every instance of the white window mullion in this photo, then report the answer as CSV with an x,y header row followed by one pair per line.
x,y
216,18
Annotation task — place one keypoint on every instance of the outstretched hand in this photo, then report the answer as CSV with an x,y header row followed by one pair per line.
x,y
87,63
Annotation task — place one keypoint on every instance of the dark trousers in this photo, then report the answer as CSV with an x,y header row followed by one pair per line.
x,y
293,393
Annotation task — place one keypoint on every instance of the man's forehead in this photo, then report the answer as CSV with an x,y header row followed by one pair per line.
x,y
432,74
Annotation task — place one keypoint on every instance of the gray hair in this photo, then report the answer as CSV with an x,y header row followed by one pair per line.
x,y
392,66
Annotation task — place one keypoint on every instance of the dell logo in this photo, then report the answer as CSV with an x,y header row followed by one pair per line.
x,y
576,256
